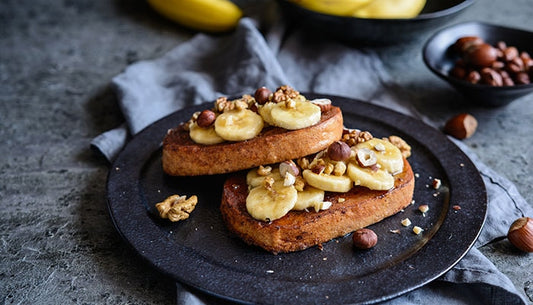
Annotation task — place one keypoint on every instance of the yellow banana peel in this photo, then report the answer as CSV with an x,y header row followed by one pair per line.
x,y
202,15
332,7
390,9
379,9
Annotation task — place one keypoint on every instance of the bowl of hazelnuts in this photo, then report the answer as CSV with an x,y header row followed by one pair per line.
x,y
489,64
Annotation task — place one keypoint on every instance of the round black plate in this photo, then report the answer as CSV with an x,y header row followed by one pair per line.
x,y
200,252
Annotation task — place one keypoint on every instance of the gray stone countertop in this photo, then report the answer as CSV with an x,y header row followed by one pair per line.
x,y
57,241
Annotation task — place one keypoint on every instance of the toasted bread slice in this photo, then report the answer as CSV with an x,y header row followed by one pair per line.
x,y
183,157
299,230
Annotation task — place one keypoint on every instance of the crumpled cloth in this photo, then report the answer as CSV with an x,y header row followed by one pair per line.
x,y
206,67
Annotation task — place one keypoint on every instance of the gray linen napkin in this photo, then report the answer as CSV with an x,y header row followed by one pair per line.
x,y
207,67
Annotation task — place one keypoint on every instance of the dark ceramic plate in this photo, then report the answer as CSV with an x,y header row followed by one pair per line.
x,y
369,31
201,253
440,59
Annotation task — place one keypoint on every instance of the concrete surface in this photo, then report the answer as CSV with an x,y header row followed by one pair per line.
x,y
57,242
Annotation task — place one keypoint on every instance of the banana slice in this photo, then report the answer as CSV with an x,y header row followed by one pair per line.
x,y
310,197
300,115
329,183
253,179
389,157
238,125
206,136
379,179
269,205
265,111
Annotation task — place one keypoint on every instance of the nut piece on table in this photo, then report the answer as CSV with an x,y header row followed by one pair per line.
x,y
364,239
461,126
176,207
521,234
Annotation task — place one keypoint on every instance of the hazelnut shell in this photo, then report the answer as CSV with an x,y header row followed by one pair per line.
x,y
521,234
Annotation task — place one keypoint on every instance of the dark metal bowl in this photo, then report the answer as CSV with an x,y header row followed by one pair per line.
x,y
368,31
440,59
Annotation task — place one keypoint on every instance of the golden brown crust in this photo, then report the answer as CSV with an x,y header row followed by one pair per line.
x,y
299,230
183,157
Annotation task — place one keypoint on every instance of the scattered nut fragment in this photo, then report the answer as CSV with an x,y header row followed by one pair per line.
x,y
366,157
417,230
461,126
423,208
288,167
264,170
289,179
364,238
406,222
456,207
436,183
521,234
176,207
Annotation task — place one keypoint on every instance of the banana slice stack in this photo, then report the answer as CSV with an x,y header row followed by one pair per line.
x,y
235,121
372,164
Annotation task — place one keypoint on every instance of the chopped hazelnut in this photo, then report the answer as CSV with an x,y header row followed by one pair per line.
x,y
436,183
423,208
406,222
417,230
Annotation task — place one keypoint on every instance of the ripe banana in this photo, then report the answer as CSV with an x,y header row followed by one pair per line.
x,y
206,136
389,157
269,205
300,115
326,182
390,9
379,179
332,7
238,125
203,15
310,197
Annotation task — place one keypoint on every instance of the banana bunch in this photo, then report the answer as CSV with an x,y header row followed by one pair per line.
x,y
203,15
380,9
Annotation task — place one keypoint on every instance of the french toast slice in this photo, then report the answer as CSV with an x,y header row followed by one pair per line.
x,y
183,157
298,230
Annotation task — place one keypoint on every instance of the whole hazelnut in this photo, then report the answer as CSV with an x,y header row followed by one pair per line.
x,y
262,95
461,126
339,151
364,239
206,118
464,43
521,234
482,55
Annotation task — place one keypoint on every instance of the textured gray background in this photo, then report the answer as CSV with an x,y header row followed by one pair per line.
x,y
57,242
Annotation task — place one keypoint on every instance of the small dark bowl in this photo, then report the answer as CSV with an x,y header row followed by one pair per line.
x,y
368,31
440,59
